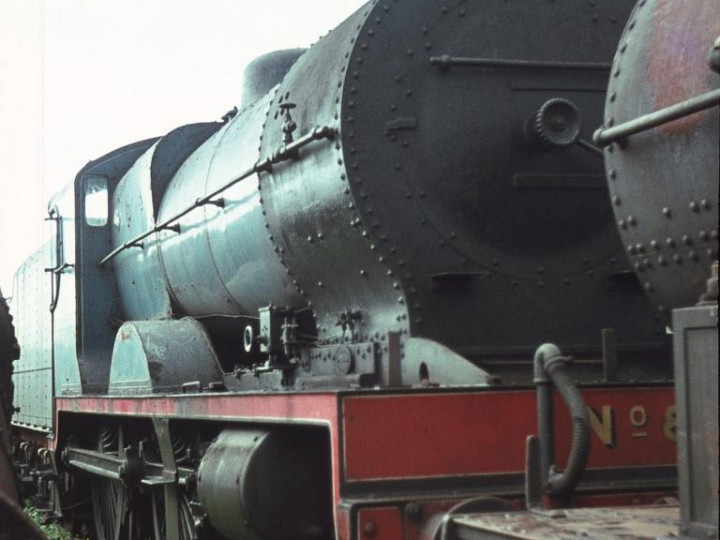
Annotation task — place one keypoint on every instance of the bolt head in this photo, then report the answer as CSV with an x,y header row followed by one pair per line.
x,y
369,528
414,511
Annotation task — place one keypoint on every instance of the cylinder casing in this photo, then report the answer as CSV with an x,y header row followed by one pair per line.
x,y
264,483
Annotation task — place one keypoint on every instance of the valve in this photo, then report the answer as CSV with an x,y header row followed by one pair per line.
x,y
289,125
556,124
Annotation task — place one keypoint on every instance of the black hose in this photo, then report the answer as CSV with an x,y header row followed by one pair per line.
x,y
552,366
580,447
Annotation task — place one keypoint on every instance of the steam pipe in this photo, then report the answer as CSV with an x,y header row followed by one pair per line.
x,y
604,137
551,369
284,153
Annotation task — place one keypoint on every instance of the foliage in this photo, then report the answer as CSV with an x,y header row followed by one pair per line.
x,y
53,530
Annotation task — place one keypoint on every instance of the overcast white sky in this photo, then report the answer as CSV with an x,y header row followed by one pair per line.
x,y
79,78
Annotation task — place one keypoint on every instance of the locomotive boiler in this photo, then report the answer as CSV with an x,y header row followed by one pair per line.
x,y
317,317
373,192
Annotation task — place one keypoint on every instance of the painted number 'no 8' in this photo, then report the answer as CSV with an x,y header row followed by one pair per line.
x,y
603,423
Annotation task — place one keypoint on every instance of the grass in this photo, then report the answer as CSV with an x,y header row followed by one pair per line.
x,y
54,531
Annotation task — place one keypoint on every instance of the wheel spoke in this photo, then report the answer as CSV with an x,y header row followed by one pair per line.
x,y
187,523
110,497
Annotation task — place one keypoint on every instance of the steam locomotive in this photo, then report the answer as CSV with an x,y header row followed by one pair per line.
x,y
341,311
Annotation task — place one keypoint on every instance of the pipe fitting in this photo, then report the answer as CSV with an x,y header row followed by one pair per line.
x,y
550,367
547,355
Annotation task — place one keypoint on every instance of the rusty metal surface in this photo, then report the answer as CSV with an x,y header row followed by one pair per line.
x,y
630,523
664,182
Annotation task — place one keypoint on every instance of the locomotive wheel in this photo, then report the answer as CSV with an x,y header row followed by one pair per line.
x,y
187,523
110,508
113,506
187,530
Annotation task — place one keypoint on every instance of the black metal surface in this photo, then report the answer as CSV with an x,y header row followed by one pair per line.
x,y
610,359
515,224
475,505
534,488
664,182
109,463
556,124
696,390
312,216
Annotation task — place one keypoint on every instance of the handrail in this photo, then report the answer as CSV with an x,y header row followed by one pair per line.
x,y
445,62
285,152
606,136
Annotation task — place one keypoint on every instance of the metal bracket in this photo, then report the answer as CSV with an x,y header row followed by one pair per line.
x,y
128,468
533,473
170,475
401,124
429,363
344,359
610,360
289,125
